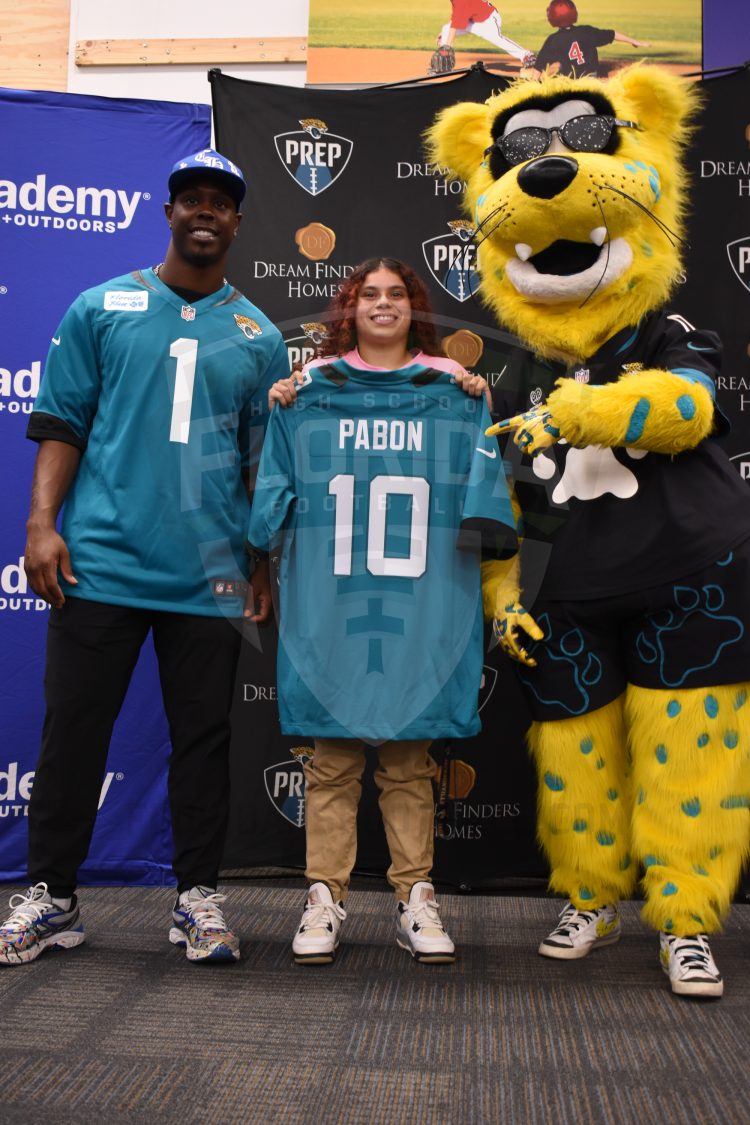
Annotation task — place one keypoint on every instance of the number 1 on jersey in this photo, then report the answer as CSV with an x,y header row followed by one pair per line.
x,y
186,353
381,487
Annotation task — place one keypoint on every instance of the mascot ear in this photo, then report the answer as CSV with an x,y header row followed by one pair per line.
x,y
459,136
662,103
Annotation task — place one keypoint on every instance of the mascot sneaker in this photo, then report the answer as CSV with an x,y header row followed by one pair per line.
x,y
35,924
420,930
580,931
688,963
317,938
199,926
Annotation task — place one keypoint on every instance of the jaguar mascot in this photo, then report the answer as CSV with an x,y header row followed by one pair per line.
x,y
627,607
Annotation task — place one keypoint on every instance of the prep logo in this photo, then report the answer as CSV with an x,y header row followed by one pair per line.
x,y
301,349
313,157
739,259
15,594
37,203
742,464
452,260
18,389
285,785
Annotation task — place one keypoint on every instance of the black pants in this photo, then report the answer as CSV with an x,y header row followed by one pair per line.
x,y
92,650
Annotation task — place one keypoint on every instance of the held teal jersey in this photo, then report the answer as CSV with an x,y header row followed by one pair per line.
x,y
168,402
381,491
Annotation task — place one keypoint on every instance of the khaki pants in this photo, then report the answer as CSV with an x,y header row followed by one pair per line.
x,y
332,791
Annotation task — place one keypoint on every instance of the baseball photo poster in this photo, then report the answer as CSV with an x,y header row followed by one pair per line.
x,y
399,40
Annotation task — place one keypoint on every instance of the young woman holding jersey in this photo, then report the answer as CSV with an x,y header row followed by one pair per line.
x,y
372,489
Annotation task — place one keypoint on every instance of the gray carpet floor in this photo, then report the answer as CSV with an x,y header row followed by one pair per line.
x,y
125,1029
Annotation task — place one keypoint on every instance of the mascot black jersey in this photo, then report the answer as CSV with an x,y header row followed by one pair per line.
x,y
622,519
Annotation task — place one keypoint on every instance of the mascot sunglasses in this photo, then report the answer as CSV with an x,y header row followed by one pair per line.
x,y
588,133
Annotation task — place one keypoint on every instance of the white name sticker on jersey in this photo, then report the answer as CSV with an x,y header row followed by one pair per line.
x,y
121,300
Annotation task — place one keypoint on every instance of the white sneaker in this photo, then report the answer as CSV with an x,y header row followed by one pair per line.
x,y
198,926
688,963
580,931
317,938
36,923
420,930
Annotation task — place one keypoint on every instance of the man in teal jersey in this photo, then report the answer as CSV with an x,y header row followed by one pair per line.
x,y
149,423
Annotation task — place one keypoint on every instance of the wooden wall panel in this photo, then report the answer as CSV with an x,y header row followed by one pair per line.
x,y
174,52
34,38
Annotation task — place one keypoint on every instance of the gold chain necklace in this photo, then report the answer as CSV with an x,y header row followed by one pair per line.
x,y
158,269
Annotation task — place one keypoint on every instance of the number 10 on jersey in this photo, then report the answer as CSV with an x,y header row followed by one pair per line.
x,y
381,488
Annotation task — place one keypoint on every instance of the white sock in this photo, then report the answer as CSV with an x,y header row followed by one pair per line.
x,y
185,896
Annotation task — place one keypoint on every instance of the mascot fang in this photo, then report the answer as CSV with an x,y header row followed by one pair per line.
x,y
631,634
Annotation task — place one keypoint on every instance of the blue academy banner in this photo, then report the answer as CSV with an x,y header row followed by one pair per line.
x,y
82,184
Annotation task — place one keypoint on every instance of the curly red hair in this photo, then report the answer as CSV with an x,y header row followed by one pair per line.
x,y
341,336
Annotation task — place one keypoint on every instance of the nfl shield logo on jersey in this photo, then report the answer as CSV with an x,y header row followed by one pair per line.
x,y
452,260
313,157
188,313
739,257
285,785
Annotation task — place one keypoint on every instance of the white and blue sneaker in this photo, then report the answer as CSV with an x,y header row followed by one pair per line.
x,y
37,923
199,926
580,931
688,963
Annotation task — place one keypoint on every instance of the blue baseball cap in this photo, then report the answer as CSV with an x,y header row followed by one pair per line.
x,y
212,163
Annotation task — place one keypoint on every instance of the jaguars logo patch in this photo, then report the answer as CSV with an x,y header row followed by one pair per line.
x,y
248,327
314,157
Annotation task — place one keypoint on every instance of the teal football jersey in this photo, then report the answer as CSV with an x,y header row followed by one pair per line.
x,y
168,401
381,492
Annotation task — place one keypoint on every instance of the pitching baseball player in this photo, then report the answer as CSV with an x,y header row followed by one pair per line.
x,y
475,17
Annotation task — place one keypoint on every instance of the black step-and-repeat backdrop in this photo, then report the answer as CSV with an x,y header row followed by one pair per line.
x,y
335,177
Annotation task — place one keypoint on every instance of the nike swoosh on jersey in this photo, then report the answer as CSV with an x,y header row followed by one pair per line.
x,y
491,453
56,340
